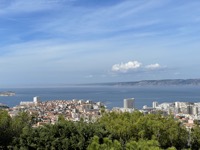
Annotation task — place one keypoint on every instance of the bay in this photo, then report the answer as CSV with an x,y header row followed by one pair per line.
x,y
111,96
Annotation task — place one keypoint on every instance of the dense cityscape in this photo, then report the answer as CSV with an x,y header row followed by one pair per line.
x,y
74,110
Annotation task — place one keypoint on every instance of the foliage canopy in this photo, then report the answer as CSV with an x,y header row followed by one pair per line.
x,y
113,131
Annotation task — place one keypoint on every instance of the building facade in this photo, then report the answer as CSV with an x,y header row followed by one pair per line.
x,y
129,103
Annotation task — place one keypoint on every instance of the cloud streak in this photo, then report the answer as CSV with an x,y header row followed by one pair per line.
x,y
134,66
153,66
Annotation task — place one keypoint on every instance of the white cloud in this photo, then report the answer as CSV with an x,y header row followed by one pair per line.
x,y
124,67
135,66
153,66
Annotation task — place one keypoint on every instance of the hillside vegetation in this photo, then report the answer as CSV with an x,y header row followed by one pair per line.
x,y
113,131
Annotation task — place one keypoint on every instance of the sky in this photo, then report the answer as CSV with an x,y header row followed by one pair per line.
x,y
47,42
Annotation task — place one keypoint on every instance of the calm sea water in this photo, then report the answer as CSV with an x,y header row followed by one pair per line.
x,y
111,96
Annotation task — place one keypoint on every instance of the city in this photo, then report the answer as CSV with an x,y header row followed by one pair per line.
x,y
48,112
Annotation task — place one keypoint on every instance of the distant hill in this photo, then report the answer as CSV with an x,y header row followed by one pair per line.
x,y
166,82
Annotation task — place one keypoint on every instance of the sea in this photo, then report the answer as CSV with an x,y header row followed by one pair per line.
x,y
111,96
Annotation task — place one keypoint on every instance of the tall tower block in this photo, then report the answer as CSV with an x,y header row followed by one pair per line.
x,y
155,104
36,100
129,103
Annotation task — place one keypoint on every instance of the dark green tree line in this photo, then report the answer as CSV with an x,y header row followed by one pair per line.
x,y
115,131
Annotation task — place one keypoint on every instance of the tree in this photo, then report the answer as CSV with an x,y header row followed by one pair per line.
x,y
136,126
5,129
143,145
106,145
195,137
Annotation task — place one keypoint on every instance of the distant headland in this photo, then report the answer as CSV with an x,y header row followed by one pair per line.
x,y
165,82
7,93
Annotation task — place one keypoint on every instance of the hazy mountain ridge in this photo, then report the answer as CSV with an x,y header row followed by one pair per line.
x,y
166,82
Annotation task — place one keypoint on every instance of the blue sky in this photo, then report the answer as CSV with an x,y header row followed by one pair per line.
x,y
44,42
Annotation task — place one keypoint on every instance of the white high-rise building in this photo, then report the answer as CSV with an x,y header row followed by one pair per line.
x,y
155,104
177,104
129,103
36,100
195,110
177,107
